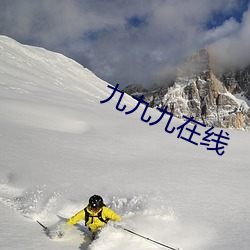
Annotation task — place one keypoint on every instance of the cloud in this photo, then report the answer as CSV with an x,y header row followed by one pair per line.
x,y
228,28
124,41
233,49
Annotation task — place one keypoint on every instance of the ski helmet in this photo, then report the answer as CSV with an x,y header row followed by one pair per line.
x,y
95,202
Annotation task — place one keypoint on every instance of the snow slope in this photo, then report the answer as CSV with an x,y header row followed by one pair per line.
x,y
59,146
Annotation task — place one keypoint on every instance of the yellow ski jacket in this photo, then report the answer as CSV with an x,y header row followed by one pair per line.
x,y
94,223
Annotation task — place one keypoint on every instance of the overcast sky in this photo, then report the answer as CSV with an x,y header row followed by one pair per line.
x,y
131,41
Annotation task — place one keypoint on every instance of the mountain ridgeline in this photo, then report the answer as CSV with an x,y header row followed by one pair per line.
x,y
213,98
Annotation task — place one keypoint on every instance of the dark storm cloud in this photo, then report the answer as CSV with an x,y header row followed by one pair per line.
x,y
132,41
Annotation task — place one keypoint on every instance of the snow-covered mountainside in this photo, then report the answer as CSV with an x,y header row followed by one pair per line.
x,y
59,145
208,97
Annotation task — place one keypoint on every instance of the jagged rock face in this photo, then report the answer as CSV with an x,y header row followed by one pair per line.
x,y
198,92
135,89
237,81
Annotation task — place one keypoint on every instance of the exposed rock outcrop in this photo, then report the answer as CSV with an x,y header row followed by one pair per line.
x,y
198,92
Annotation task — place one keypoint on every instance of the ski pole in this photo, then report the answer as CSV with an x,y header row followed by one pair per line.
x,y
146,238
45,228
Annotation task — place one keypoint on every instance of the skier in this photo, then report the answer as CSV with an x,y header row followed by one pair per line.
x,y
95,214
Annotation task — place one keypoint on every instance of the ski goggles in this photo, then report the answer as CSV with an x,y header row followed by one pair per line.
x,y
94,208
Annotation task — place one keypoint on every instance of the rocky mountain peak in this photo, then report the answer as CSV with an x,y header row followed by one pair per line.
x,y
197,64
197,91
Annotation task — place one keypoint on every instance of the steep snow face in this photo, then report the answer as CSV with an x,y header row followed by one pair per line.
x,y
35,75
59,145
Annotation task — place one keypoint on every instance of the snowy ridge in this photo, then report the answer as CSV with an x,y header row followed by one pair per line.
x,y
59,145
42,73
